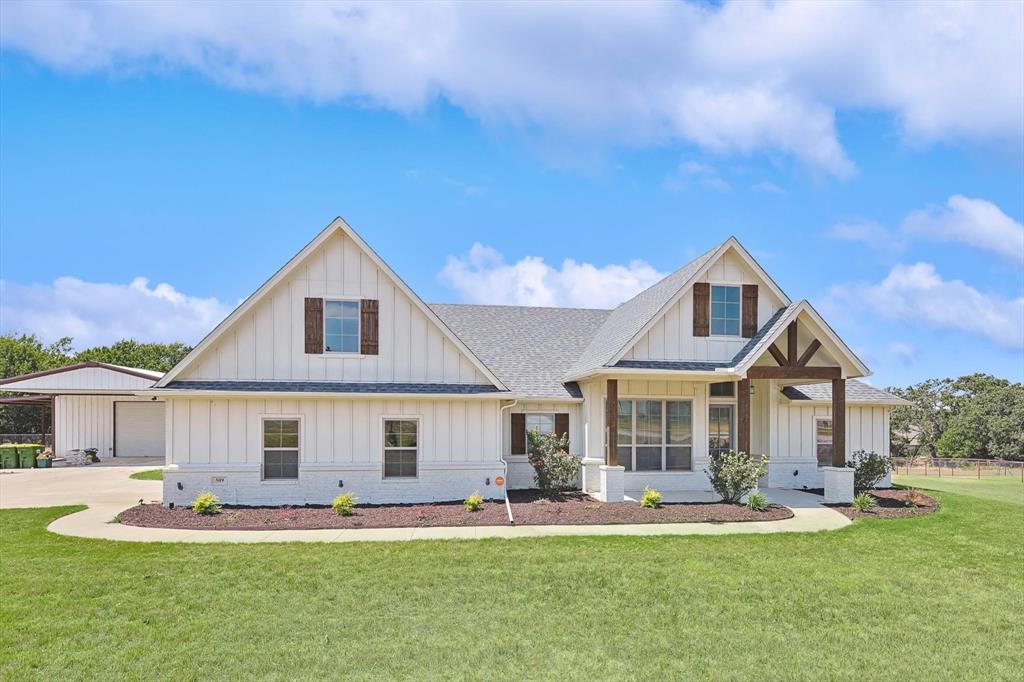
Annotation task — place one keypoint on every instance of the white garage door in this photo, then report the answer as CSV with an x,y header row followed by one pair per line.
x,y
138,429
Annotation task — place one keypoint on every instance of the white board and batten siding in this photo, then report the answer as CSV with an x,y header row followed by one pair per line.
x,y
216,444
268,343
792,443
671,337
87,421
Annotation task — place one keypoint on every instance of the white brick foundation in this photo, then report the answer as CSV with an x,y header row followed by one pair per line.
x,y
320,485
612,484
838,485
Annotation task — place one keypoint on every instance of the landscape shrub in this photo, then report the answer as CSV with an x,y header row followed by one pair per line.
x,y
554,469
206,503
651,499
344,504
474,502
868,469
734,474
757,501
863,502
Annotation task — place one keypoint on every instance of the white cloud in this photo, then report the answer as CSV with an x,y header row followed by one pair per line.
x,y
704,175
869,233
746,77
976,222
906,353
767,187
917,294
483,276
98,313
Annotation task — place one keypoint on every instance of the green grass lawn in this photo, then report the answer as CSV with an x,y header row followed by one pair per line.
x,y
936,597
1004,488
149,475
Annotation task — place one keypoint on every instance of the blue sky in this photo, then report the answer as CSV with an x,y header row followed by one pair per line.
x,y
125,156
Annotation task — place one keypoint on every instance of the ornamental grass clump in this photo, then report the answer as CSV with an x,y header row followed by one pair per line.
x,y
206,503
474,502
344,504
868,469
554,469
757,501
734,474
651,499
863,503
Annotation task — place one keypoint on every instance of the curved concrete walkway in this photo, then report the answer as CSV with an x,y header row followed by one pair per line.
x,y
109,491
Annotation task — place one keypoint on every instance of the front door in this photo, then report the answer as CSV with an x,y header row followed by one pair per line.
x,y
720,429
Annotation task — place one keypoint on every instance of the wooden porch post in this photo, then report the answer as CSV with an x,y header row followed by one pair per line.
x,y
611,424
743,422
839,422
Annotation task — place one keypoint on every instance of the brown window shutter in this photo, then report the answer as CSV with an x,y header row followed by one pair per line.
x,y
518,433
315,325
749,313
701,309
368,326
561,425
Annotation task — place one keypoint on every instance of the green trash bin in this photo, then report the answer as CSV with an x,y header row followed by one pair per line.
x,y
27,455
8,456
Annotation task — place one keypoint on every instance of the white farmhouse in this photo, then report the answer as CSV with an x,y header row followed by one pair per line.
x,y
334,376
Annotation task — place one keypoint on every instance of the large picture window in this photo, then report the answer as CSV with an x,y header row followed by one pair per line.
x,y
401,444
341,326
823,441
725,311
655,435
280,449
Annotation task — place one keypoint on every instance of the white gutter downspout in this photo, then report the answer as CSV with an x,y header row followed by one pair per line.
x,y
501,452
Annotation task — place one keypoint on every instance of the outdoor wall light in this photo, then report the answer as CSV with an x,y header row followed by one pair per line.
x,y
796,471
180,486
488,481
341,483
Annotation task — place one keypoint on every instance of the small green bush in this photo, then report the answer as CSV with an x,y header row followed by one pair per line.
x,y
734,474
757,501
554,469
863,503
206,503
651,499
344,504
868,469
474,502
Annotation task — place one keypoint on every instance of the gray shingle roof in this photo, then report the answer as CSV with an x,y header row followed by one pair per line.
x,y
331,387
856,392
623,323
685,365
530,349
773,323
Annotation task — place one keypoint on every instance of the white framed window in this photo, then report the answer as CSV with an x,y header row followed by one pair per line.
x,y
542,423
720,428
725,310
823,440
341,326
401,446
281,444
655,435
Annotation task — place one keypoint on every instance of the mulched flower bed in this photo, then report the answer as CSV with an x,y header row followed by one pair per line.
x,y
528,508
891,503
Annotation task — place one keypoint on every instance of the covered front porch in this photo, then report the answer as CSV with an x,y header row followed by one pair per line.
x,y
659,426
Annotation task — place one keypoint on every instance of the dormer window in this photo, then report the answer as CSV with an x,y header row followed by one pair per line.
x,y
725,311
341,326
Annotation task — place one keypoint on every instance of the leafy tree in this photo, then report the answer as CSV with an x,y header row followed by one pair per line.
x,y
158,357
977,415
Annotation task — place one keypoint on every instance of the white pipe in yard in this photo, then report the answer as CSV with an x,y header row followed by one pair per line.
x,y
501,428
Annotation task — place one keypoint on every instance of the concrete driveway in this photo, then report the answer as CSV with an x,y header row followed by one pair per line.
x,y
95,485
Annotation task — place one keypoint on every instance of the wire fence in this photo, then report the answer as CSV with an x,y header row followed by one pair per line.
x,y
24,438
957,467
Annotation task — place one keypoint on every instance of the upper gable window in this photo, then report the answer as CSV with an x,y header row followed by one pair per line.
x,y
341,326
725,311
